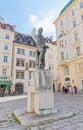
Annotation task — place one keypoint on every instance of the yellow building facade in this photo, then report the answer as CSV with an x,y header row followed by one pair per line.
x,y
69,30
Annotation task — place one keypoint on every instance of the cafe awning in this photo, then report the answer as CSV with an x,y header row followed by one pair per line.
x,y
5,83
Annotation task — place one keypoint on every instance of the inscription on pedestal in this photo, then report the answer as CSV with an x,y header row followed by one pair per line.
x,y
44,80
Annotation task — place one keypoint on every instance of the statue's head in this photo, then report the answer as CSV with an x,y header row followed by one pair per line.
x,y
40,30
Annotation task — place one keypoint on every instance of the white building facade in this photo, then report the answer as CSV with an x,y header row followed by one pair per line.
x,y
24,57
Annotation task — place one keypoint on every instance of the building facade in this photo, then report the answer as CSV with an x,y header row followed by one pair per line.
x,y
24,61
6,45
69,30
51,61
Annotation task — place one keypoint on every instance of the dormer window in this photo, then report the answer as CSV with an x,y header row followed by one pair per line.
x,y
29,40
20,39
7,28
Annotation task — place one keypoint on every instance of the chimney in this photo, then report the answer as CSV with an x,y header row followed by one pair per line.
x,y
1,19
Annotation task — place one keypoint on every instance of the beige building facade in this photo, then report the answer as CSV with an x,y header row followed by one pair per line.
x,y
6,45
69,30
51,61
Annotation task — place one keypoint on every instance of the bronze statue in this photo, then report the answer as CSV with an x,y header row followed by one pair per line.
x,y
41,49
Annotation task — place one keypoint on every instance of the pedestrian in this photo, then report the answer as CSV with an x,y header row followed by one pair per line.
x,y
75,89
70,89
63,89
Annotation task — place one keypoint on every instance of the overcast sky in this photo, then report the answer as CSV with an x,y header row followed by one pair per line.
x,y
26,14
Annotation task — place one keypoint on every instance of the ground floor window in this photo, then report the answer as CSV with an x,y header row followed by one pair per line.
x,y
82,84
19,88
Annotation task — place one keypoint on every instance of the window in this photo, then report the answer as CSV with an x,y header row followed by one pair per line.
x,y
5,58
61,22
7,36
19,75
23,51
22,75
20,39
74,23
30,74
82,17
62,55
76,37
4,71
73,13
65,43
81,5
32,53
20,51
20,63
7,28
80,67
82,85
67,55
78,51
6,47
66,70
31,64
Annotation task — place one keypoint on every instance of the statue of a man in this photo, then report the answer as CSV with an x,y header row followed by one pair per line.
x,y
41,49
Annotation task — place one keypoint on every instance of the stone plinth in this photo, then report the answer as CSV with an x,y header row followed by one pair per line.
x,y
40,93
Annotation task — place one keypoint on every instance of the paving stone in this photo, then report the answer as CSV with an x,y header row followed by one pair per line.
x,y
80,128
73,103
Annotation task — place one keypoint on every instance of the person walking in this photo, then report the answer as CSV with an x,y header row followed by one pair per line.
x,y
75,89
70,89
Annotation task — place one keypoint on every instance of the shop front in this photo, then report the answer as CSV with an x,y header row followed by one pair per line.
x,y
5,87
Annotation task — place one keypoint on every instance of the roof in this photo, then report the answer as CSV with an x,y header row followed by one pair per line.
x,y
7,26
66,6
24,39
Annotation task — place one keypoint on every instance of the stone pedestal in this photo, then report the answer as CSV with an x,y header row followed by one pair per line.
x,y
40,93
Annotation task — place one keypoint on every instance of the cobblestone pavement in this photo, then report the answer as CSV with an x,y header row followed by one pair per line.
x,y
73,103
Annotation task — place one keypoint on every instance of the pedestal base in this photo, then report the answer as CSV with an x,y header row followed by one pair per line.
x,y
40,93
47,111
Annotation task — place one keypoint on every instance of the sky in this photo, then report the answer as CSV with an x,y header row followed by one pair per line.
x,y
29,14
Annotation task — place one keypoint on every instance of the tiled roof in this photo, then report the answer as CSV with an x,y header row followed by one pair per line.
x,y
6,26
66,6
24,39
